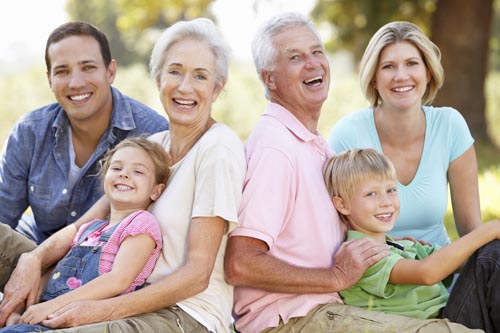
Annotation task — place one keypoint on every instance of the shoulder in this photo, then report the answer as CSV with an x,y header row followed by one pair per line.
x,y
359,119
445,118
142,114
442,114
43,115
139,222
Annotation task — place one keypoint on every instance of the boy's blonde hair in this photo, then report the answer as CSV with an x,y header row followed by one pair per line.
x,y
153,149
343,172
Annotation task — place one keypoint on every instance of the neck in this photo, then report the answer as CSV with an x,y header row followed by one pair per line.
x,y
182,139
308,115
399,127
117,215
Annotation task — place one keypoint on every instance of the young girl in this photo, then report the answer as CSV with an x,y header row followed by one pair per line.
x,y
363,187
115,256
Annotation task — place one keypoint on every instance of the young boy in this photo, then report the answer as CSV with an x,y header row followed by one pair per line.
x,y
362,184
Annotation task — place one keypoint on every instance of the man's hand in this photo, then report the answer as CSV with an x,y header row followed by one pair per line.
x,y
354,257
80,313
23,286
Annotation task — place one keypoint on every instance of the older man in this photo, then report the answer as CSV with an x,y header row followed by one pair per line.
x,y
287,258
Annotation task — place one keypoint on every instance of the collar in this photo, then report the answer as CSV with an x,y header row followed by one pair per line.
x,y
122,116
291,122
353,234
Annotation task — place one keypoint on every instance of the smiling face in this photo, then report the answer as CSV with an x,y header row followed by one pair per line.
x,y
187,83
373,208
130,180
80,80
401,77
301,79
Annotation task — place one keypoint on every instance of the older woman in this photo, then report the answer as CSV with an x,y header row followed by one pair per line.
x,y
187,291
400,74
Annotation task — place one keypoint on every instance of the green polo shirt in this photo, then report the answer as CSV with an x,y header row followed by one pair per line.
x,y
374,292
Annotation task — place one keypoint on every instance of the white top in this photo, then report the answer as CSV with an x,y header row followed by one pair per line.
x,y
207,182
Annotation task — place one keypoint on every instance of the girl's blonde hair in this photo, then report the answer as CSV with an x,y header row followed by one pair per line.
x,y
343,172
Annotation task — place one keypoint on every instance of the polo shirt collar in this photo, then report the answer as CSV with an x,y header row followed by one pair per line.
x,y
290,121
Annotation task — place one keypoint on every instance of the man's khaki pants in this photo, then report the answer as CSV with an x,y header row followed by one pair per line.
x,y
12,245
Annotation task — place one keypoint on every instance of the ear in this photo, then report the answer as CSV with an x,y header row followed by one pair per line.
x,y
157,191
111,71
49,79
341,205
217,90
267,78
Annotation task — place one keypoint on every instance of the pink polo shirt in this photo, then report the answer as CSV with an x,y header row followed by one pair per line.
x,y
285,204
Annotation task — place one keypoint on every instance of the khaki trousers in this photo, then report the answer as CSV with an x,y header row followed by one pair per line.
x,y
330,318
12,245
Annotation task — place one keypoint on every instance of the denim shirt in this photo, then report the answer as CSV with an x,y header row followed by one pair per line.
x,y
35,164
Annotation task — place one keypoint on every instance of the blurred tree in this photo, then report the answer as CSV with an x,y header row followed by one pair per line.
x,y
354,22
132,26
461,28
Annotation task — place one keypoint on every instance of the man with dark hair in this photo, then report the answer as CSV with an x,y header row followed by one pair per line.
x,y
50,161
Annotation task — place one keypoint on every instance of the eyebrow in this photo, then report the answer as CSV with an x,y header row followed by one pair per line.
x,y
294,50
83,62
176,64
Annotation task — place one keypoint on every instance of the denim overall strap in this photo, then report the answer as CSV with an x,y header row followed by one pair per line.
x,y
78,267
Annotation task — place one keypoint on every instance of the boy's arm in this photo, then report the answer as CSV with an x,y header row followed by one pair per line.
x,y
445,261
130,260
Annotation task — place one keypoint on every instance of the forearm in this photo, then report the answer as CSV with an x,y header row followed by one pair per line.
x,y
104,286
248,264
176,287
450,258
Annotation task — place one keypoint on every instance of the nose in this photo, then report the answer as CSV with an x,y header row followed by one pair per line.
x,y
76,79
311,61
185,84
123,174
401,74
386,201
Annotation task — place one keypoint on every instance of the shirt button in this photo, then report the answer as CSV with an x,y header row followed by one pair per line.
x,y
32,188
64,191
73,214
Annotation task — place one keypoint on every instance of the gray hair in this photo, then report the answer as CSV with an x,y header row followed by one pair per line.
x,y
263,49
200,29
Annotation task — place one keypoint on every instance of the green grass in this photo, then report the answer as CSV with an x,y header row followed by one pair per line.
x,y
488,158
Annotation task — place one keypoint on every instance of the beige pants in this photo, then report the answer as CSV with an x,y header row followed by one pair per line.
x,y
170,320
12,245
330,318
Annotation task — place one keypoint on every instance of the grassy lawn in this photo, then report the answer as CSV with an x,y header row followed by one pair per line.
x,y
489,187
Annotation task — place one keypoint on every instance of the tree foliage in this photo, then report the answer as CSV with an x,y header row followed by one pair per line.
x,y
354,22
132,26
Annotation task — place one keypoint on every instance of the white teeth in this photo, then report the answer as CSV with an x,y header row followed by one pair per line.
x,y
123,187
403,89
79,97
183,102
384,215
313,79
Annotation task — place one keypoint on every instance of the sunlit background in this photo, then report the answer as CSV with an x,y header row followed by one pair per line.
x,y
344,26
